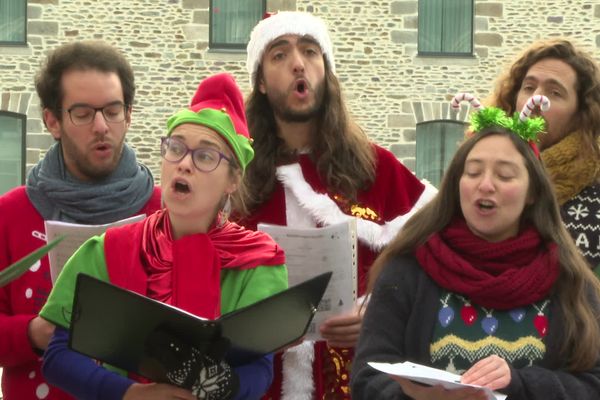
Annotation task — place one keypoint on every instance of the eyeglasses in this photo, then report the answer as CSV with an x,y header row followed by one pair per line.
x,y
83,114
205,159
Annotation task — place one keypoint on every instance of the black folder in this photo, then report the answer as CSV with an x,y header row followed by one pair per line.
x,y
111,324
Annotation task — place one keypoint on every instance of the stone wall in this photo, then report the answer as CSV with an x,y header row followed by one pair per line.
x,y
389,87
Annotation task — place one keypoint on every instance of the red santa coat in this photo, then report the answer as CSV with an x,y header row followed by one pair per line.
x,y
301,197
21,232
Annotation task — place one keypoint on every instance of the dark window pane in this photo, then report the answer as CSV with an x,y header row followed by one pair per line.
x,y
232,21
437,142
445,27
13,21
12,151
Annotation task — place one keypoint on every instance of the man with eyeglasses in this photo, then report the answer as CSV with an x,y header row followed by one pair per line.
x,y
88,176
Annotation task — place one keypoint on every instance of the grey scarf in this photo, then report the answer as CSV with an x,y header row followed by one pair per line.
x,y
57,195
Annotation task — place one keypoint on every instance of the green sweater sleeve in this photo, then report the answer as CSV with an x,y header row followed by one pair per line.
x,y
240,288
88,259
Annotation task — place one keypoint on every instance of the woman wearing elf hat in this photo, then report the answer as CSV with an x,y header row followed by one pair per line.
x,y
187,255
485,281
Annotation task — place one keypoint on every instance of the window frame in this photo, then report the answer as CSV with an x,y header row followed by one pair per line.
x,y
23,118
446,53
22,43
226,46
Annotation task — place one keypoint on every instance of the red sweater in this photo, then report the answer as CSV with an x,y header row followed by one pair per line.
x,y
21,232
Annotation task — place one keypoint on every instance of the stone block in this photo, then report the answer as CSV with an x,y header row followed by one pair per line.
x,y
410,163
482,52
400,120
481,24
44,28
194,4
34,40
556,19
4,100
24,103
597,11
411,22
43,1
201,17
488,39
138,44
32,156
403,150
404,7
34,11
195,32
35,125
404,37
281,5
488,9
409,135
40,141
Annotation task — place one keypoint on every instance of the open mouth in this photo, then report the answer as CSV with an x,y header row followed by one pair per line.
x,y
301,87
102,147
181,187
485,204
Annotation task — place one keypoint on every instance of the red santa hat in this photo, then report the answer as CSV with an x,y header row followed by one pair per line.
x,y
219,105
286,23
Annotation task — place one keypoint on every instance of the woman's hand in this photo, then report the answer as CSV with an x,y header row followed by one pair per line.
x,y
492,372
420,392
157,391
40,332
343,330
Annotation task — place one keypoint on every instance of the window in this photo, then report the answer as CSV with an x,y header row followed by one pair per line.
x,y
13,22
446,27
437,142
232,21
12,150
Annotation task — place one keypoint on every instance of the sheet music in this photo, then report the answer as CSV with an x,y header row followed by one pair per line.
x,y
75,236
429,376
312,251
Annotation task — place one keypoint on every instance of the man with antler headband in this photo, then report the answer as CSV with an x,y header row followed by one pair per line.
x,y
569,150
314,166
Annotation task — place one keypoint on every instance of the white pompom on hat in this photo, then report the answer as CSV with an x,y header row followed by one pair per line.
x,y
286,23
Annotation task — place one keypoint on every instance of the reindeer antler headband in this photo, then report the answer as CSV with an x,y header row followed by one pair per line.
x,y
521,124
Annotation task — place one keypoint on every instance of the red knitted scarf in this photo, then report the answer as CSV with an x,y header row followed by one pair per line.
x,y
504,275
194,284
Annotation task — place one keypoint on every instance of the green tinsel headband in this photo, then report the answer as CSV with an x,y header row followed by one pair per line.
x,y
527,130
520,124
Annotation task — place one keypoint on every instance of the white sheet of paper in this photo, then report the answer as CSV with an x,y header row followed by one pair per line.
x,y
429,376
312,251
75,236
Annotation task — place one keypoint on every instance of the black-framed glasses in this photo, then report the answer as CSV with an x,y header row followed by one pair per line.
x,y
83,114
205,159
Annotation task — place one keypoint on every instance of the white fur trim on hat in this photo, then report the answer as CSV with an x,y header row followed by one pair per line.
x,y
286,23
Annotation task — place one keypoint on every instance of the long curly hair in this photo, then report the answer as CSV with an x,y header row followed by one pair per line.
x,y
587,85
581,341
344,156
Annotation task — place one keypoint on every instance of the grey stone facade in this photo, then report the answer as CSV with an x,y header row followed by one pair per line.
x,y
388,86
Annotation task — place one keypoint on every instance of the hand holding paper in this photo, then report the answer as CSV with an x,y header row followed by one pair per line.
x,y
434,377
342,330
492,372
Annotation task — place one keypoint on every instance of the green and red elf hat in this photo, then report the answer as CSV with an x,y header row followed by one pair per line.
x,y
219,105
521,124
